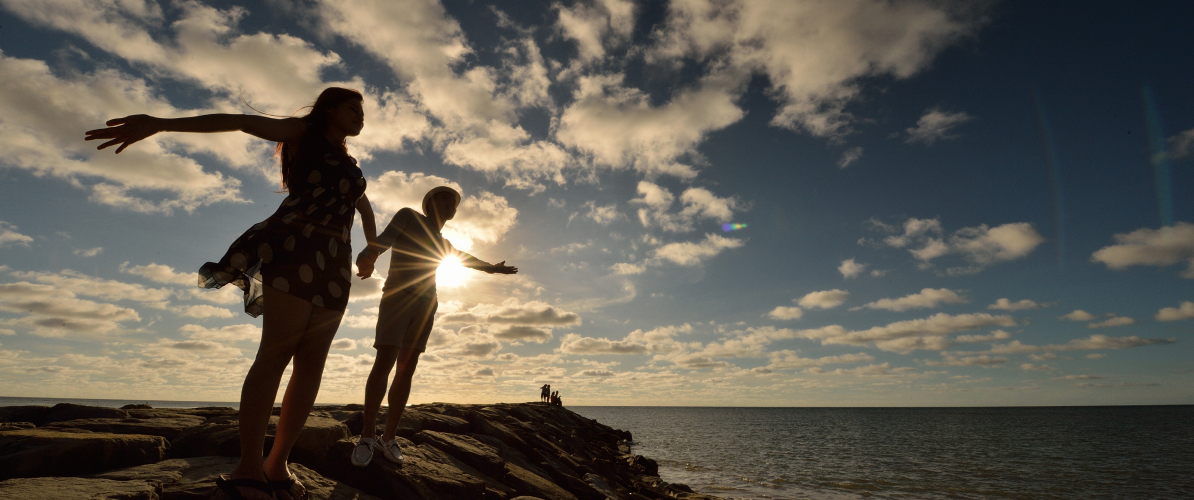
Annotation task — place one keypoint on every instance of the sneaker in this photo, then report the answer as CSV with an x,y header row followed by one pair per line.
x,y
391,450
362,454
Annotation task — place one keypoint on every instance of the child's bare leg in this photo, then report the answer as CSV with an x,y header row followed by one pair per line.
x,y
375,388
407,360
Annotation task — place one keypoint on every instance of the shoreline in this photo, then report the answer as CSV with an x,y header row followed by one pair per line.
x,y
497,451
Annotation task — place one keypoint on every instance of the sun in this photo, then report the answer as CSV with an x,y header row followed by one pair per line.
x,y
451,274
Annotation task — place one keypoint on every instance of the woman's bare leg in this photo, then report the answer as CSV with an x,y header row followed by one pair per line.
x,y
310,354
282,328
375,388
408,359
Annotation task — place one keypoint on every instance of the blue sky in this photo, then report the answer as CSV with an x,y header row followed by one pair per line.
x,y
943,204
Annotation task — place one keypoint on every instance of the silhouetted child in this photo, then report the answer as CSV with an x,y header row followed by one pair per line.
x,y
407,309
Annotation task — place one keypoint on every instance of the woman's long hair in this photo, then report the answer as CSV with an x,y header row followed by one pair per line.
x,y
317,123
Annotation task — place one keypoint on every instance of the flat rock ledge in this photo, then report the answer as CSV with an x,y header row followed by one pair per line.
x,y
518,451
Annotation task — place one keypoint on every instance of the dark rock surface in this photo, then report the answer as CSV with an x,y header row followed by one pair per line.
x,y
526,451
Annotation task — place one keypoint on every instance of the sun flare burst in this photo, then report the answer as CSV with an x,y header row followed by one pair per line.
x,y
451,273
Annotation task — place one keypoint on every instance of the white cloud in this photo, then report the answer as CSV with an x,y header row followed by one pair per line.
x,y
826,299
696,204
231,333
10,236
1036,368
927,298
160,273
514,312
1182,144
1184,311
995,335
948,360
786,313
981,245
1007,305
624,268
849,157
203,311
1112,322
926,333
518,334
935,125
603,215
1094,342
850,268
592,27
38,113
81,284
1078,315
89,252
576,344
1151,247
691,254
344,344
814,52
786,359
53,311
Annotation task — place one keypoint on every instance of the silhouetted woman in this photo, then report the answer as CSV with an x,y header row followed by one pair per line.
x,y
295,267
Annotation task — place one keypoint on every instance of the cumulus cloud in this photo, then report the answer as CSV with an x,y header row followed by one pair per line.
x,y
786,313
1182,144
927,298
850,268
849,157
787,359
10,236
1184,311
826,299
78,283
981,246
1094,342
231,333
995,335
576,344
603,215
203,311
86,252
906,336
53,311
514,312
626,268
948,360
695,204
691,254
344,344
593,27
160,273
1078,315
935,125
1113,321
1004,304
814,52
518,334
1151,247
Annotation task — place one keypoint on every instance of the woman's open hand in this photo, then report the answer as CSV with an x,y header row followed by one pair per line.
x,y
125,131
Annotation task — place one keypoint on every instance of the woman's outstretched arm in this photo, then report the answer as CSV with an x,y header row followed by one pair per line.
x,y
130,129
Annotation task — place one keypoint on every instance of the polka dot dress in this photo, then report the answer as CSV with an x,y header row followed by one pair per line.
x,y
303,248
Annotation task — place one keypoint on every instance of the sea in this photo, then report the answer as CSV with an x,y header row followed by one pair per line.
x,y
1070,453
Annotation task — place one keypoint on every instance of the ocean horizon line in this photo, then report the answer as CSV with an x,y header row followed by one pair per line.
x,y
169,403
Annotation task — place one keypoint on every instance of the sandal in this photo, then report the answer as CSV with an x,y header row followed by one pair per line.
x,y
229,486
286,485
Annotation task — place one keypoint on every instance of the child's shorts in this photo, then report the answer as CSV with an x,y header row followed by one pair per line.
x,y
405,320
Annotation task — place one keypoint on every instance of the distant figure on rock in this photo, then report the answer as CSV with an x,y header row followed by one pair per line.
x,y
408,305
544,392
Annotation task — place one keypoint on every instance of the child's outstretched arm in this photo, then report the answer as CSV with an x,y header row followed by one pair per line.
x,y
471,262
130,129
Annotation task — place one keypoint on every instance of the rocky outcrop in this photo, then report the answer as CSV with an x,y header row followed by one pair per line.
x,y
529,451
